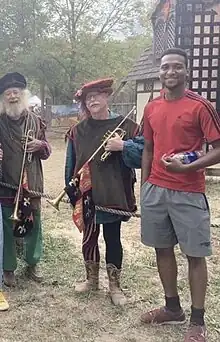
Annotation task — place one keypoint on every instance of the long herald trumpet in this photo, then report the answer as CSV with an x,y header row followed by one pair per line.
x,y
15,217
110,134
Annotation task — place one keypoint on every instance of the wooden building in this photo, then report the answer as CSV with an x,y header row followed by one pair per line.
x,y
193,25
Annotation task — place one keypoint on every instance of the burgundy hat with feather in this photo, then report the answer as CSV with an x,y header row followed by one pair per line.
x,y
101,85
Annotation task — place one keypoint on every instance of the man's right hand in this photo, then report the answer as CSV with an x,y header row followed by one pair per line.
x,y
115,144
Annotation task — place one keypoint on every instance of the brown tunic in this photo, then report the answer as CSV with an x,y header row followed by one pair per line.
x,y
112,180
11,132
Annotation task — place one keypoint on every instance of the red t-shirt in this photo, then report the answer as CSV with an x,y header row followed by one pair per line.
x,y
179,126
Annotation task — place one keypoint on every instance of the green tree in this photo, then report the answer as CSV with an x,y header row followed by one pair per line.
x,y
61,44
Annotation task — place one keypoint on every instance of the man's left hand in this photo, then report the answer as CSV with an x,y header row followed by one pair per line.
x,y
115,144
34,145
173,164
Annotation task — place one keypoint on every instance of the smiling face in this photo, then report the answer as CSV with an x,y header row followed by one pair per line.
x,y
13,102
12,95
96,103
173,71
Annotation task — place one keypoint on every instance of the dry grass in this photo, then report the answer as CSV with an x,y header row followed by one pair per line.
x,y
52,311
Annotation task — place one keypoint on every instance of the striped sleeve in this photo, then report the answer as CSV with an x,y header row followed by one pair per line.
x,y
210,129
208,118
45,149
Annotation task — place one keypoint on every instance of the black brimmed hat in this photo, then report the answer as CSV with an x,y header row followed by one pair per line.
x,y
12,80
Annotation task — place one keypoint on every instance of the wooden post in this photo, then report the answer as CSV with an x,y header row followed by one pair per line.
x,y
48,113
42,98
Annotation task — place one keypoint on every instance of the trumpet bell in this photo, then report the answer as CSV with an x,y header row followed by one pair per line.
x,y
55,203
14,217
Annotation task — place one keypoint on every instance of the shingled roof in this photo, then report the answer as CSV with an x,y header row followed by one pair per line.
x,y
144,68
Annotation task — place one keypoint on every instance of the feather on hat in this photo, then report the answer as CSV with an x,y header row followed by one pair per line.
x,y
101,85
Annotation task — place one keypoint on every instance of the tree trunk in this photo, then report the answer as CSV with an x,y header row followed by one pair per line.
x,y
42,98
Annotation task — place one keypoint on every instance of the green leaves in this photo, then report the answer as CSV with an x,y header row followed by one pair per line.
x,y
63,44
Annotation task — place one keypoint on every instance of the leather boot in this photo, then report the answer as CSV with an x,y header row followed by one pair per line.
x,y
9,278
92,278
34,272
117,296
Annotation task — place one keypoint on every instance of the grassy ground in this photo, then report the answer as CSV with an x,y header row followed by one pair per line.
x,y
52,312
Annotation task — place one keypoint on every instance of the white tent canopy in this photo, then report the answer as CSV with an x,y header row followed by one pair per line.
x,y
34,101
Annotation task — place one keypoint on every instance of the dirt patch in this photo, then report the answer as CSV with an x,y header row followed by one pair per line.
x,y
53,312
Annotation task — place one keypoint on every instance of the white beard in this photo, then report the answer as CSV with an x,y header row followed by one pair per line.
x,y
14,110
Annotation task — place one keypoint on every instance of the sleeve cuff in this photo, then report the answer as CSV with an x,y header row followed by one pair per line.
x,y
126,145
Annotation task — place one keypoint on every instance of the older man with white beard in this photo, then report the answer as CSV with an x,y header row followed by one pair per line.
x,y
15,121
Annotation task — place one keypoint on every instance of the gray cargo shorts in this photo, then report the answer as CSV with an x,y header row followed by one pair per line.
x,y
169,217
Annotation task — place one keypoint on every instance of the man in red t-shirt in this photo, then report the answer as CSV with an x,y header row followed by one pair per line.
x,y
174,208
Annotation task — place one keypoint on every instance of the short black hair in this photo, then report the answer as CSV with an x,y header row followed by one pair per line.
x,y
176,51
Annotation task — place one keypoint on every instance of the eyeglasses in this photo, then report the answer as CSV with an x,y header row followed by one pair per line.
x,y
92,96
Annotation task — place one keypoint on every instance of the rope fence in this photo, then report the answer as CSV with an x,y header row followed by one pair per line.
x,y
99,208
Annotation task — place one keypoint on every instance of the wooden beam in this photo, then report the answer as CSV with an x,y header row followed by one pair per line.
x,y
211,171
122,84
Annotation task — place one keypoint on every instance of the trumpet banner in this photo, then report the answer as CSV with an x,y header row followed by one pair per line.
x,y
25,204
25,225
84,210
